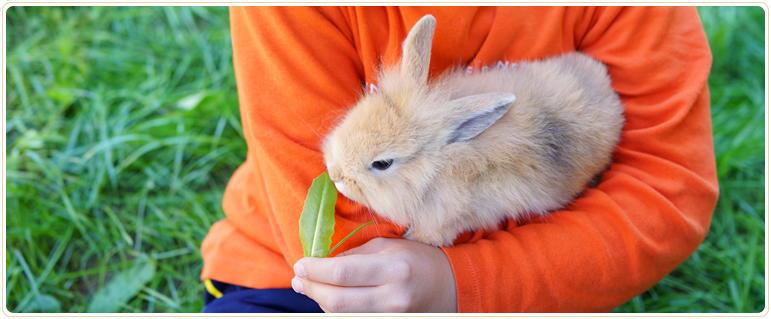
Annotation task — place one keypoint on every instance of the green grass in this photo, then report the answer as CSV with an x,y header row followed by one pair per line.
x,y
123,128
122,132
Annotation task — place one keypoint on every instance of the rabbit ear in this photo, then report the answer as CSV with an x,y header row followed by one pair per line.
x,y
479,111
416,50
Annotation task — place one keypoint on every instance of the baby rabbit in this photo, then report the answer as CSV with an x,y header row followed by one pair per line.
x,y
465,151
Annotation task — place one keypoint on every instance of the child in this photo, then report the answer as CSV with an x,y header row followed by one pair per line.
x,y
299,69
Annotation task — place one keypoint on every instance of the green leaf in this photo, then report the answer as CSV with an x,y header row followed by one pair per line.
x,y
123,286
317,221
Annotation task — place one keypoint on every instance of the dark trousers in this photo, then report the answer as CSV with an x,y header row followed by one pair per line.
x,y
238,299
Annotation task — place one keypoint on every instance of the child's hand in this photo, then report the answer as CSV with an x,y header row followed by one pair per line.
x,y
383,275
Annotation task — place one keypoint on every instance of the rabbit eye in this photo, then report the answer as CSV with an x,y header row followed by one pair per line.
x,y
382,165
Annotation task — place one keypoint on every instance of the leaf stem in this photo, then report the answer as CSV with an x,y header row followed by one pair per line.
x,y
346,237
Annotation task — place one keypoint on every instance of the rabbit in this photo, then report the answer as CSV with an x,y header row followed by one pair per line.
x,y
465,152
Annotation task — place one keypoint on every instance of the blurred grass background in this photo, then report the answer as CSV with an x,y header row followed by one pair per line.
x,y
123,128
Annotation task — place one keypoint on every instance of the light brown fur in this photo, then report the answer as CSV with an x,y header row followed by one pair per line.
x,y
558,133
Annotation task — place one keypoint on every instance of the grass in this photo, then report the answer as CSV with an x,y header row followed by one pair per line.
x,y
123,128
122,132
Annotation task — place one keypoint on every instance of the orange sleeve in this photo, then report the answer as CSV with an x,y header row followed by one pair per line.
x,y
652,208
296,68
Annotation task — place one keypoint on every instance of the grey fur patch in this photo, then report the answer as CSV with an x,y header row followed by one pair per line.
x,y
557,137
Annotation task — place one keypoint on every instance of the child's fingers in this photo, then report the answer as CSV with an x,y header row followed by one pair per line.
x,y
338,299
349,271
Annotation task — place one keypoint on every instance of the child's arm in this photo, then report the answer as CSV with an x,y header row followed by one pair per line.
x,y
651,210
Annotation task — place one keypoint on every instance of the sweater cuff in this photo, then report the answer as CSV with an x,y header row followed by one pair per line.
x,y
467,284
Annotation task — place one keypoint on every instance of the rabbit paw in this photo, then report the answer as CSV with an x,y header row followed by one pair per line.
x,y
437,237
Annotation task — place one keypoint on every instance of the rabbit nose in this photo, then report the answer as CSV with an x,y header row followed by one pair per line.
x,y
334,174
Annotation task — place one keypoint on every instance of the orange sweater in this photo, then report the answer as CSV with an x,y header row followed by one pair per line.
x,y
299,69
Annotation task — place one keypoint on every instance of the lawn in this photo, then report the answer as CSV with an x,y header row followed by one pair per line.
x,y
123,128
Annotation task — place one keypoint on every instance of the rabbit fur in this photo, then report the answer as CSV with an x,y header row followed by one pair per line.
x,y
465,152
